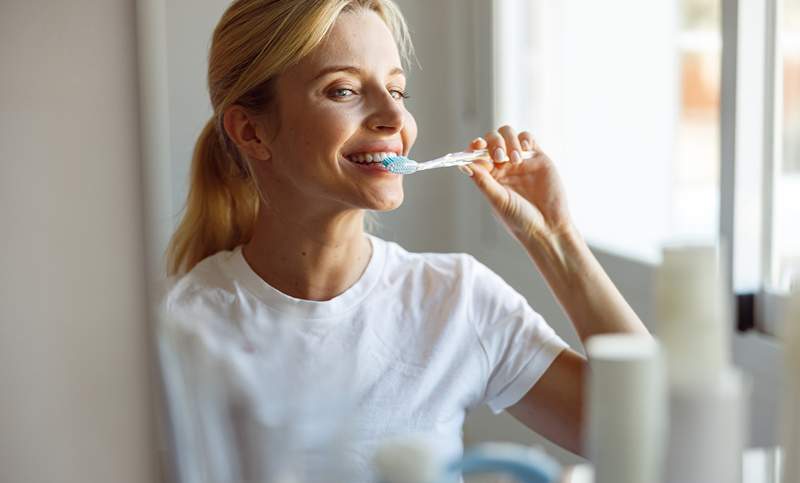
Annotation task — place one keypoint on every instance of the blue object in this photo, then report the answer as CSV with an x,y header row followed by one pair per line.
x,y
525,464
400,164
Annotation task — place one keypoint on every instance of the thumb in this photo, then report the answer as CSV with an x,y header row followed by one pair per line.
x,y
496,193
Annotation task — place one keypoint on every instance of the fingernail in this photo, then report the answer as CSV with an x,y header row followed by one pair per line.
x,y
500,155
526,145
466,170
516,157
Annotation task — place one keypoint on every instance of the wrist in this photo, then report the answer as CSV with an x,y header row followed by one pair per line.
x,y
564,238
559,254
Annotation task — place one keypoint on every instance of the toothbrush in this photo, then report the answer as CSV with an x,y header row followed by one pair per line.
x,y
404,165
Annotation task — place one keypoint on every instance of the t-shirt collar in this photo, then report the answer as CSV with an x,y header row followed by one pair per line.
x,y
241,271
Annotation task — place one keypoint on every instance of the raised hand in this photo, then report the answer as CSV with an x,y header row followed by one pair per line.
x,y
526,194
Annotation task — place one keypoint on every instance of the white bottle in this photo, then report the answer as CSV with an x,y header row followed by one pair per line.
x,y
626,408
790,421
707,403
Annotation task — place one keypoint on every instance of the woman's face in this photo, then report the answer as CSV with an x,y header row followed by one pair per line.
x,y
343,101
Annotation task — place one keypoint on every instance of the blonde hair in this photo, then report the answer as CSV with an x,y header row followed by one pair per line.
x,y
254,41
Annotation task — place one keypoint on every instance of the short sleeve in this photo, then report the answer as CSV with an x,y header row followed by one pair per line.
x,y
518,343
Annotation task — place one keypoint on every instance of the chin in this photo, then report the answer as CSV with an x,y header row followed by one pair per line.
x,y
387,202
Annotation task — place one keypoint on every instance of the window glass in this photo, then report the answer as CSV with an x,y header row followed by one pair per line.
x,y
786,203
695,171
628,110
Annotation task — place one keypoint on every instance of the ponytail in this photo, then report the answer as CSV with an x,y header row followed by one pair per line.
x,y
221,207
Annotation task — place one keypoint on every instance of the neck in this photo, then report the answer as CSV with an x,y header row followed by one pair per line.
x,y
311,257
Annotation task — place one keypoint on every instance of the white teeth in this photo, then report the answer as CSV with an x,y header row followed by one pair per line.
x,y
365,158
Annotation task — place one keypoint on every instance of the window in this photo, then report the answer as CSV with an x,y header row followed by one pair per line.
x,y
781,188
663,119
785,263
694,190
628,105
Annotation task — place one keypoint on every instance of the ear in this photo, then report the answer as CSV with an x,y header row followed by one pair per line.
x,y
247,132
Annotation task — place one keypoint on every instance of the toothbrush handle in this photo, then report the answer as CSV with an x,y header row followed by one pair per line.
x,y
463,158
483,153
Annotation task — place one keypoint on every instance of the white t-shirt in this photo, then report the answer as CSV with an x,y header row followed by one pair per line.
x,y
260,381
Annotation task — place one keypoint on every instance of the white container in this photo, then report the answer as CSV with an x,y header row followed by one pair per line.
x,y
626,408
790,420
706,431
707,404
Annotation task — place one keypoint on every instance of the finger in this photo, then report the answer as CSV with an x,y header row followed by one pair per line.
x,y
528,143
477,143
489,186
512,143
487,164
496,146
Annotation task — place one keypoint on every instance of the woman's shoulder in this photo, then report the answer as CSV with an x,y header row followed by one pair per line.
x,y
206,284
434,269
450,265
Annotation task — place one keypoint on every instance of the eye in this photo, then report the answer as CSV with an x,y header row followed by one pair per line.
x,y
399,94
342,93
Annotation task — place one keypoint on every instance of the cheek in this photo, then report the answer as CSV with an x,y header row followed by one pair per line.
x,y
328,129
409,131
315,133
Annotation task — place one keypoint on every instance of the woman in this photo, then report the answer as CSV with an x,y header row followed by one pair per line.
x,y
273,240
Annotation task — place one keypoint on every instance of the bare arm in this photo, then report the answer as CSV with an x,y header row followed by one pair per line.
x,y
584,290
554,406
530,200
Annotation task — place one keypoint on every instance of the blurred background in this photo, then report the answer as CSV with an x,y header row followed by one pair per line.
x,y
101,103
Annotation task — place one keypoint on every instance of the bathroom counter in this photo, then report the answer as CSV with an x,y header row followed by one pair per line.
x,y
759,465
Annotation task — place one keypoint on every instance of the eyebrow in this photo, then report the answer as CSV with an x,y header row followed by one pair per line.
x,y
351,69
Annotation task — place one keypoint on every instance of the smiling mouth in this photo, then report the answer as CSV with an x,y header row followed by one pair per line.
x,y
369,158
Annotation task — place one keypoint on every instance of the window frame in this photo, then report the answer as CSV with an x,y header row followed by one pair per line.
x,y
758,305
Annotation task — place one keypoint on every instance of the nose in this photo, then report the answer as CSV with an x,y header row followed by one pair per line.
x,y
387,116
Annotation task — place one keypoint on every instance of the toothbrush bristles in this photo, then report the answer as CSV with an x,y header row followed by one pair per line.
x,y
399,164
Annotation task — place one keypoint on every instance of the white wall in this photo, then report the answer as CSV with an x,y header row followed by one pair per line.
x,y
74,387
189,25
